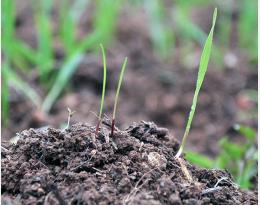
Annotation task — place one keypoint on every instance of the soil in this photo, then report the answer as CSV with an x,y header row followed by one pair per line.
x,y
135,166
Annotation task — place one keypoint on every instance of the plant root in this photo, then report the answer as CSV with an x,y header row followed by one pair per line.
x,y
137,187
210,190
184,169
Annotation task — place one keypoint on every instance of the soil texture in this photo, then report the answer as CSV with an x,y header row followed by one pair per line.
x,y
135,166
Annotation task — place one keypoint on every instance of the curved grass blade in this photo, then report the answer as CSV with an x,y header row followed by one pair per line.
x,y
117,95
104,86
204,60
104,80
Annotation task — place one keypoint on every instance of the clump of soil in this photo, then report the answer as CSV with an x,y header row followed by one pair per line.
x,y
135,166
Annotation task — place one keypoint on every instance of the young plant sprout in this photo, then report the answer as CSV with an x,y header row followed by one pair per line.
x,y
103,88
69,117
117,95
201,74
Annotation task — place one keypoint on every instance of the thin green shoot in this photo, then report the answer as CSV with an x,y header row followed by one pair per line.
x,y
117,95
103,87
204,60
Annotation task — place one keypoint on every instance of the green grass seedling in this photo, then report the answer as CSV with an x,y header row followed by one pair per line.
x,y
204,60
103,87
117,95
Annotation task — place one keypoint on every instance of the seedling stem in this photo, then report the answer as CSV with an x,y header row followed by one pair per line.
x,y
117,95
103,88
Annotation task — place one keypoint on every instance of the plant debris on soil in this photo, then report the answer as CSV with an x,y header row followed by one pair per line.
x,y
135,166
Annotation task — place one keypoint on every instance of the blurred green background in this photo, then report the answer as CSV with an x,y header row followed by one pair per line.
x,y
51,60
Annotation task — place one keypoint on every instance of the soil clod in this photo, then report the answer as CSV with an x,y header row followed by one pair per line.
x,y
53,166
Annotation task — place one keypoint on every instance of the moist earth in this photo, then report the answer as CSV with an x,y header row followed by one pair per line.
x,y
75,166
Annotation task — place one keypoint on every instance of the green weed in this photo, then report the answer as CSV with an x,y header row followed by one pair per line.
x,y
117,95
103,87
201,74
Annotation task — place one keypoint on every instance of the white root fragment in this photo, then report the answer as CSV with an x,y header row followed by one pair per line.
x,y
216,187
210,190
69,117
184,169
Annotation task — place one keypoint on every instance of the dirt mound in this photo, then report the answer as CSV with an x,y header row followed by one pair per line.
x,y
135,166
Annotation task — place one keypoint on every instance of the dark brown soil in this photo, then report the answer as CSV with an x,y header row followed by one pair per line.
x,y
135,166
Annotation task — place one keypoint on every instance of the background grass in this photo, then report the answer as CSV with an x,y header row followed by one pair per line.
x,y
21,58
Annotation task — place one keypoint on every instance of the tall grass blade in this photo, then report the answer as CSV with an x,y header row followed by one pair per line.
x,y
4,98
45,38
204,60
8,20
90,41
187,28
67,28
13,79
66,71
103,24
247,25
103,87
119,86
104,81
25,51
117,94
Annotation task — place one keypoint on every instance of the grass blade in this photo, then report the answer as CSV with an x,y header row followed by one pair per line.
x,y
161,33
8,20
103,24
4,98
13,79
199,160
186,27
66,71
117,94
45,39
103,88
67,28
25,51
204,60
104,80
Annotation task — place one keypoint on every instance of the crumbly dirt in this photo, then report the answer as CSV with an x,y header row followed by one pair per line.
x,y
135,166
